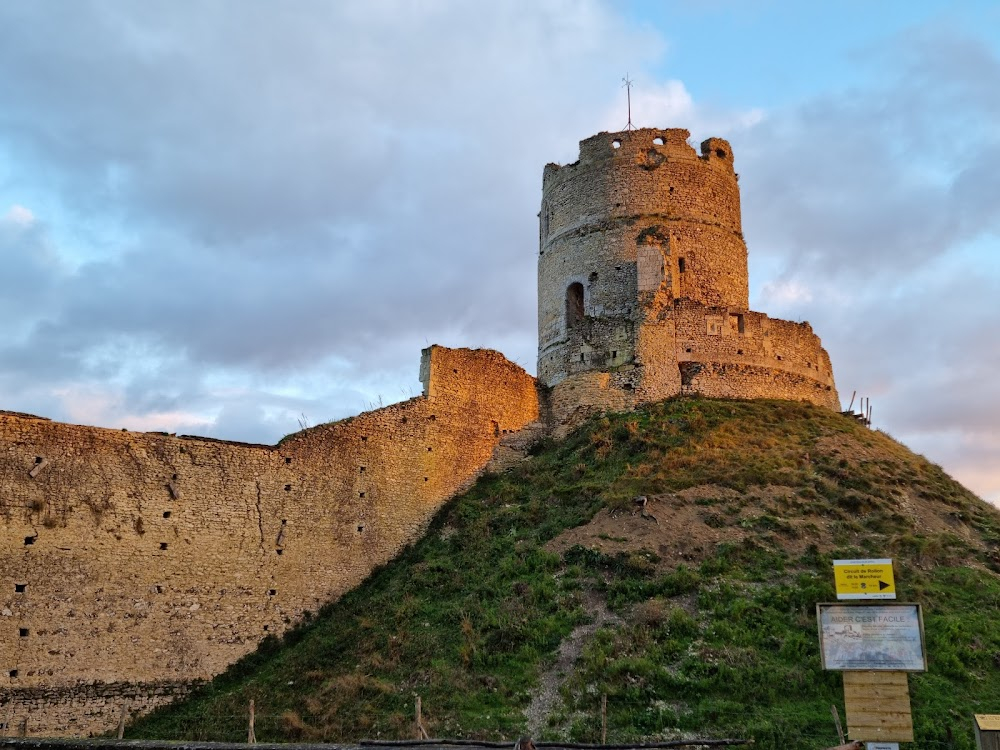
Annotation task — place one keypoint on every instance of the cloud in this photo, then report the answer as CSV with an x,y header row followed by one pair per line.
x,y
970,455
243,212
868,199
844,182
292,199
785,293
19,216
87,405
670,104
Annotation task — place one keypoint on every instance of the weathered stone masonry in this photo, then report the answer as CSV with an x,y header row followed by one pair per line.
x,y
643,283
132,564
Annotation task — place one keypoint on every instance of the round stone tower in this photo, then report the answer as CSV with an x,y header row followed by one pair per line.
x,y
643,284
639,221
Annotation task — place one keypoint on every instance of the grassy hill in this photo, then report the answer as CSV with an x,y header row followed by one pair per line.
x,y
540,590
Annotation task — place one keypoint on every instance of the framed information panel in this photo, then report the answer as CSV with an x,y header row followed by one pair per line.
x,y
872,637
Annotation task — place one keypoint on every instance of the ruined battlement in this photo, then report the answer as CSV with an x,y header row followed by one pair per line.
x,y
633,145
632,174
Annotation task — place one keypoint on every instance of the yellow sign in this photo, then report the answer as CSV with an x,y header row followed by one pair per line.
x,y
864,579
989,722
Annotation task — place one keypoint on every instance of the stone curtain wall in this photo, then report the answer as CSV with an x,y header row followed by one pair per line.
x,y
700,350
727,353
578,396
132,564
736,354
98,705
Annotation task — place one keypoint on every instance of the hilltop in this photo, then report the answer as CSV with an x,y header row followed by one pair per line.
x,y
540,590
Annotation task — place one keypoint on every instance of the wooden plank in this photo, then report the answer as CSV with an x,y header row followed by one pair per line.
x,y
897,702
900,704
888,698
987,740
871,734
875,678
878,706
875,692
880,719
881,733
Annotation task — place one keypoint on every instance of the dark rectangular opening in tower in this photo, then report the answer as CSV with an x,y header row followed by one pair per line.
x,y
574,304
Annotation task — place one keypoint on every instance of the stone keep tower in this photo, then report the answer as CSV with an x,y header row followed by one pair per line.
x,y
643,284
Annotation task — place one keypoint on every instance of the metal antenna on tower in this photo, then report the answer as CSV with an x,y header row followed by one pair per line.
x,y
627,84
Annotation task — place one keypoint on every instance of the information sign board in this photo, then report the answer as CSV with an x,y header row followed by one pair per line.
x,y
987,731
989,722
881,746
871,637
864,579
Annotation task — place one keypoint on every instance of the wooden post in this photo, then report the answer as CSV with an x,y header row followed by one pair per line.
x,y
121,719
251,735
836,722
604,719
418,716
849,408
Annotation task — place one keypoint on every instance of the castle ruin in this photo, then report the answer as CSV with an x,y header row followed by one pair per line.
x,y
643,285
134,565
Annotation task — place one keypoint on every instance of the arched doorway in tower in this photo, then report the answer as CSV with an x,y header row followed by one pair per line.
x,y
574,304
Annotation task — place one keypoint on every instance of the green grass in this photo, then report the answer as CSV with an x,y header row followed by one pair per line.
x,y
470,616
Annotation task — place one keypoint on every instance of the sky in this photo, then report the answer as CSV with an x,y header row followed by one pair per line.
x,y
233,218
